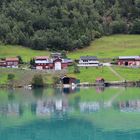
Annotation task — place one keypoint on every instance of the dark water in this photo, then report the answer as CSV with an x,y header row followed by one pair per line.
x,y
70,114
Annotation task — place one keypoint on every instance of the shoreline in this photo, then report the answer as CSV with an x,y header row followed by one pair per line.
x,y
85,84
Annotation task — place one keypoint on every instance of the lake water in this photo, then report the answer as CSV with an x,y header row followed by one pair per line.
x,y
70,114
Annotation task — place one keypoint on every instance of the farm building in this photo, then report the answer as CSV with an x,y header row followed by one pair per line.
x,y
129,60
12,62
88,61
44,62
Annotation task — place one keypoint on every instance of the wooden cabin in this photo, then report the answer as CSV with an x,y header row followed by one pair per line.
x,y
12,62
129,61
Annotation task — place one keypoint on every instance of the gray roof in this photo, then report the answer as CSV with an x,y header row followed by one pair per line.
x,y
129,57
88,58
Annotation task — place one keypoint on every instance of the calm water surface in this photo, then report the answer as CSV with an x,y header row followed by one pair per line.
x,y
70,114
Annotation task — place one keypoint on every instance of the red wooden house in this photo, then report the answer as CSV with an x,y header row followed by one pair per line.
x,y
129,60
12,62
44,62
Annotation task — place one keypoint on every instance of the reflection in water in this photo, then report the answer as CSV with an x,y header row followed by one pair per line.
x,y
66,116
38,92
130,106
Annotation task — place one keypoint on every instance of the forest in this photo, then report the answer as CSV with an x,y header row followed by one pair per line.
x,y
65,24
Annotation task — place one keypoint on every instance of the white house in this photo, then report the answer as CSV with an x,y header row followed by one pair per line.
x,y
88,61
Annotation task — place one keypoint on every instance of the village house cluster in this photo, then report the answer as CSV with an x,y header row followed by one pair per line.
x,y
57,62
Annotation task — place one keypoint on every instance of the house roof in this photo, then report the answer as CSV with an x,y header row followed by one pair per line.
x,y
41,57
12,59
99,78
129,57
67,77
67,60
88,58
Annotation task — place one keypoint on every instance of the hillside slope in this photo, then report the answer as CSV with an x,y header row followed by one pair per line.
x,y
105,47
65,24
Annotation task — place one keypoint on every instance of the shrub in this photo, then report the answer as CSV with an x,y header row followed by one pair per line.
x,y
10,77
37,81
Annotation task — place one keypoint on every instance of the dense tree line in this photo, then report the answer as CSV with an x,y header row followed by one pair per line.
x,y
65,24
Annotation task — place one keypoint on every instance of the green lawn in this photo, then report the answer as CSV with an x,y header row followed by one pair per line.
x,y
90,74
25,53
128,73
111,46
23,77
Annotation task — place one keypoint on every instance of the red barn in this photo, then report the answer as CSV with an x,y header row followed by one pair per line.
x,y
129,60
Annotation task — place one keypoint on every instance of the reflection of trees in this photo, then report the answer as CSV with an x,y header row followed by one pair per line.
x,y
21,109
76,102
33,108
38,93
11,95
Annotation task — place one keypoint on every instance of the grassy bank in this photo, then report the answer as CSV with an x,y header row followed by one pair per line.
x,y
24,77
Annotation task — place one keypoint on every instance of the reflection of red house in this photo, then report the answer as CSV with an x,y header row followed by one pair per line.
x,y
44,62
129,60
10,62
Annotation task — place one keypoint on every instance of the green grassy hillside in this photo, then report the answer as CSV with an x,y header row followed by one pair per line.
x,y
25,53
105,47
111,46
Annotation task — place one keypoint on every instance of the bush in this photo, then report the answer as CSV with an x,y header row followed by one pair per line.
x,y
76,68
56,80
37,81
10,77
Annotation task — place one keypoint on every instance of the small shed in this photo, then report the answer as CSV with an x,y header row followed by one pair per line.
x,y
100,80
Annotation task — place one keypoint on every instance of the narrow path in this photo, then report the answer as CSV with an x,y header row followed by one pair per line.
x,y
116,73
